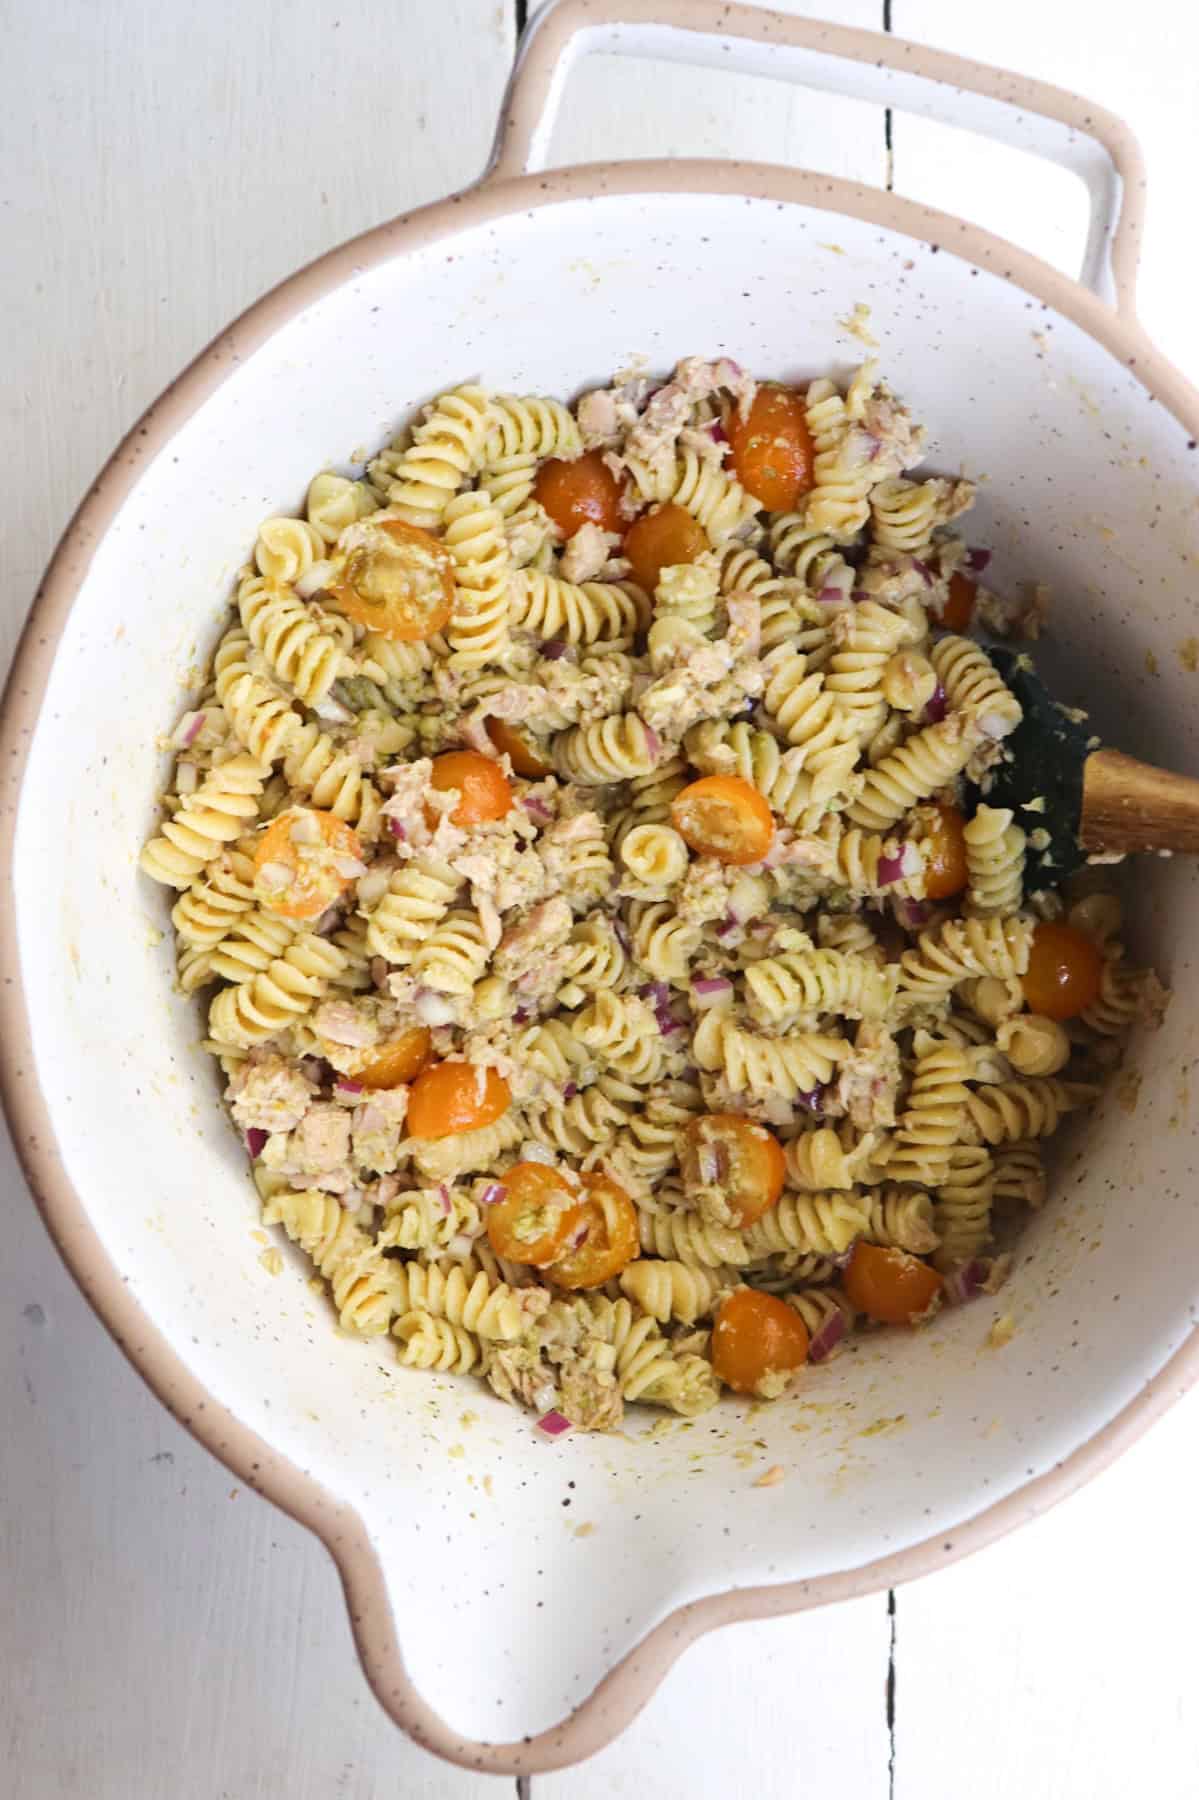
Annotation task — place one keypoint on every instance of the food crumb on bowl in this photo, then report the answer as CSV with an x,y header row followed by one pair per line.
x,y
772,1476
1002,1332
272,1261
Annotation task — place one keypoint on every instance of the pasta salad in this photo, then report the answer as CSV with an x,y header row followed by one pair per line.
x,y
621,984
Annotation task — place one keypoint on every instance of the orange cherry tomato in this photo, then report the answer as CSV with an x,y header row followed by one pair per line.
x,y
398,1062
1065,972
518,747
398,581
738,1156
608,1237
300,863
944,853
725,817
483,787
582,492
959,607
660,540
772,452
890,1285
450,1097
540,1212
758,1342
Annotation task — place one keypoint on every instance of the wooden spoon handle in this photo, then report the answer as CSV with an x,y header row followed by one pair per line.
x,y
1129,805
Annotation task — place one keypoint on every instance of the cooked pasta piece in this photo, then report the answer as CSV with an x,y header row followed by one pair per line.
x,y
539,970
297,650
447,447
803,985
215,814
287,988
358,1276
994,861
418,897
581,613
762,1066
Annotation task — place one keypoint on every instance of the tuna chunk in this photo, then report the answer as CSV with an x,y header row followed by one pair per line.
x,y
268,1095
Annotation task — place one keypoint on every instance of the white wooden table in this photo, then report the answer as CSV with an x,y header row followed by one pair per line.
x,y
163,1634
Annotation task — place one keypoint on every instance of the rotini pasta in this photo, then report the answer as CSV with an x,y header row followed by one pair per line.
x,y
527,996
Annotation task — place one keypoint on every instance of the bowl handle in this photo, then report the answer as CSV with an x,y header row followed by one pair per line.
x,y
867,65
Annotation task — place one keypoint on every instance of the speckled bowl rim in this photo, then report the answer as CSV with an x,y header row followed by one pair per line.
x,y
628,1686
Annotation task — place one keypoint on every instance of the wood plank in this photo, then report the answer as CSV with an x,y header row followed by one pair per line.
x,y
774,1708
1146,76
617,109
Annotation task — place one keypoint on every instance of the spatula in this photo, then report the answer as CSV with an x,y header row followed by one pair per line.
x,y
1096,801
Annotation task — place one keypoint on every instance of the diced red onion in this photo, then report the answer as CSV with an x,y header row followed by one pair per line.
x,y
493,1193
938,705
570,1090
825,1341
554,1424
710,990
653,743
727,926
977,560
553,648
913,915
860,594
521,1014
829,596
346,1086
656,992
578,1237
189,728
443,1199
396,829
717,433
536,808
924,570
966,1282
256,1141
890,868
813,1100
876,447
622,934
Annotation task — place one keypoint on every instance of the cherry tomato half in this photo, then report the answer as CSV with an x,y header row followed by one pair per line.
x,y
299,863
1065,972
739,1157
725,817
758,1342
890,1285
452,1097
959,607
944,848
398,581
398,1062
582,492
609,1237
661,539
483,788
772,449
518,747
541,1211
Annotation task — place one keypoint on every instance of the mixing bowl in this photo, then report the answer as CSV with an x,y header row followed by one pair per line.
x,y
515,1600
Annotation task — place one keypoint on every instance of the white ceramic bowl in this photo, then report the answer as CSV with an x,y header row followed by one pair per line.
x,y
484,1612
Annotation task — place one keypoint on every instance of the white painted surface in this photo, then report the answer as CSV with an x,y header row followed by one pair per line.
x,y
165,1637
